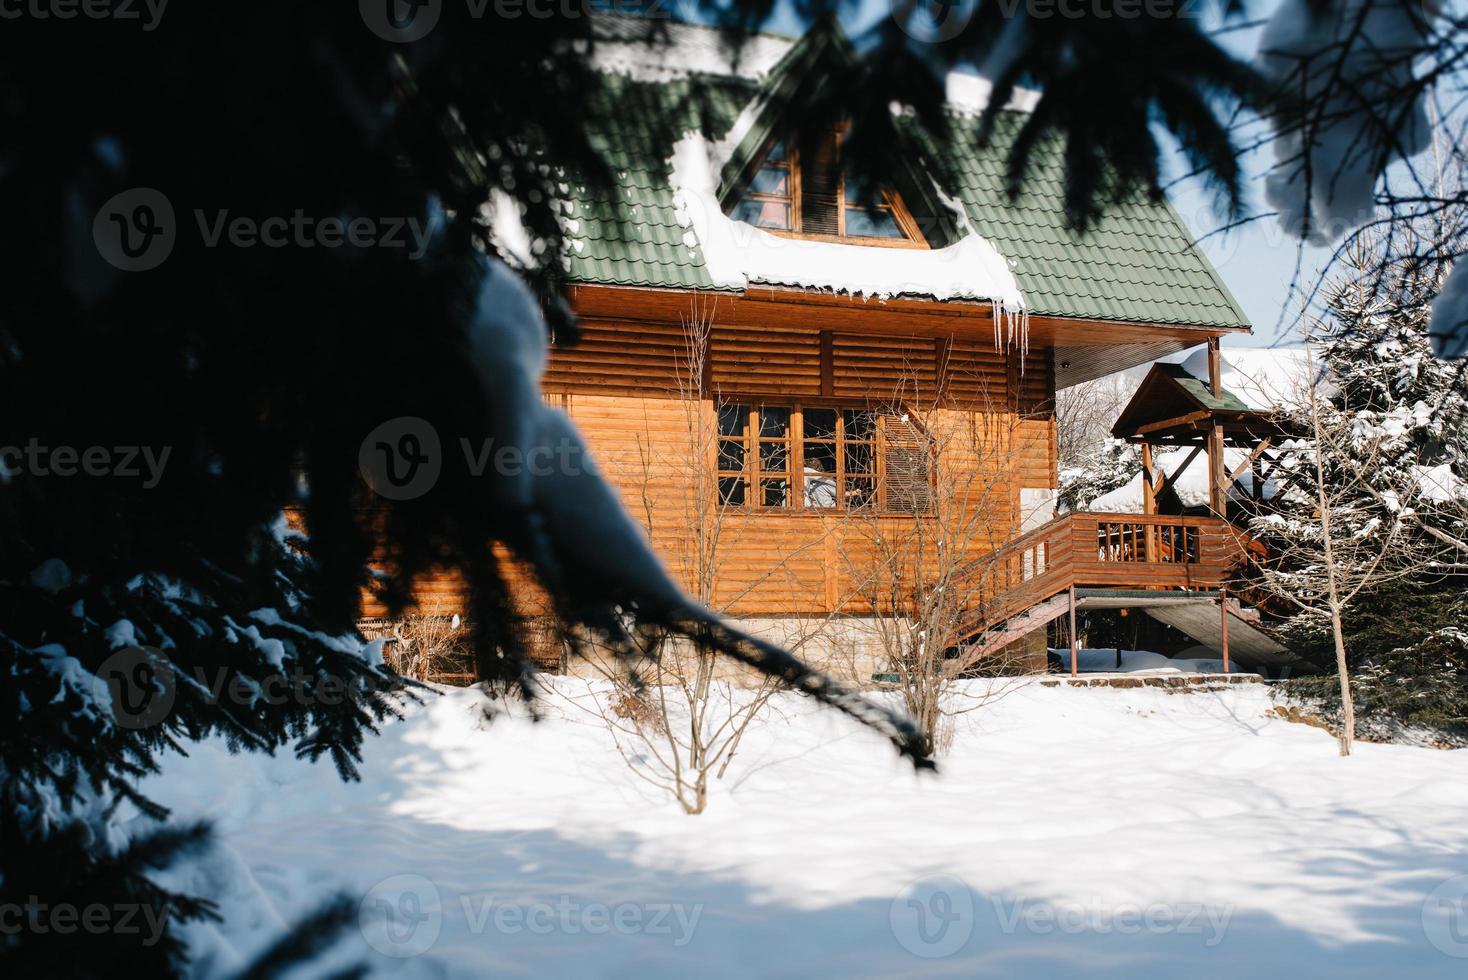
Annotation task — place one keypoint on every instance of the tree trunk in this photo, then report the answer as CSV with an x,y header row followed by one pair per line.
x,y
1348,705
1332,580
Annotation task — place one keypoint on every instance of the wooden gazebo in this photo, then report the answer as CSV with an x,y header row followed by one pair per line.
x,y
1174,408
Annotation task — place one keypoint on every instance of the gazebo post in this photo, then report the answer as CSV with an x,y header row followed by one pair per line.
x,y
1217,498
1074,646
1149,504
1223,611
1149,499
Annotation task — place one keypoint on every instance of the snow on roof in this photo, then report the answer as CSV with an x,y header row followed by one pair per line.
x,y
507,228
736,253
625,46
1264,378
968,93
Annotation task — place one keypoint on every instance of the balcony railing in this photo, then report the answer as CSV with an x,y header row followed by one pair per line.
x,y
1126,551
1132,540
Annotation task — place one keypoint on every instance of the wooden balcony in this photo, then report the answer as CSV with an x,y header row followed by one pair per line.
x,y
1107,551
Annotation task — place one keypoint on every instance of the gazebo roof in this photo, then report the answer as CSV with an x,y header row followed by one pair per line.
x,y
1172,406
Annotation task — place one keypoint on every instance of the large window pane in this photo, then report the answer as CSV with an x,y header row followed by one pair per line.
x,y
731,454
733,419
872,224
763,214
771,180
760,462
774,423
820,423
731,490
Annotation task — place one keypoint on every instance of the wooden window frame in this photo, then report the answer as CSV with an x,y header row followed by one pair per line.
x,y
753,475
791,198
791,164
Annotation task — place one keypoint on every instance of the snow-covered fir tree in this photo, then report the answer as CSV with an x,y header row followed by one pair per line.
x,y
1373,518
1400,414
1399,398
104,678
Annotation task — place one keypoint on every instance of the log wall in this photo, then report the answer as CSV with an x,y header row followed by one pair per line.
x,y
645,401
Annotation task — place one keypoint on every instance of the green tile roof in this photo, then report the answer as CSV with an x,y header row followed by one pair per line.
x,y
1202,392
629,235
1137,263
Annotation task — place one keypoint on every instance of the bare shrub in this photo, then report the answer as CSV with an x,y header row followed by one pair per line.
x,y
434,648
917,571
635,704
678,712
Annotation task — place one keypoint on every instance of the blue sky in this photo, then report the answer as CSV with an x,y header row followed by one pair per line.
x,y
1257,260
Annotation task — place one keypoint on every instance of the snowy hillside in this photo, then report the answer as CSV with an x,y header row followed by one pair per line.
x,y
1097,832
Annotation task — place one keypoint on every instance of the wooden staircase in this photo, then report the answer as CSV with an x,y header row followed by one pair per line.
x,y
1026,584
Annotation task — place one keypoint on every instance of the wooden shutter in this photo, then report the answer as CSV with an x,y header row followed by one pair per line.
x,y
907,465
820,186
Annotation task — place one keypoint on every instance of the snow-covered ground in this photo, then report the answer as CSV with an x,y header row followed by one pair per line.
x,y
1098,832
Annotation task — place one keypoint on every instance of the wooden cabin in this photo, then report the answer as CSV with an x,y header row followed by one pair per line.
x,y
822,403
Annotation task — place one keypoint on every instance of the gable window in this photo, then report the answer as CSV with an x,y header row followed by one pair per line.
x,y
810,194
807,457
770,199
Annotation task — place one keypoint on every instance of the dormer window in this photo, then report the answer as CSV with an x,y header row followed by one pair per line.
x,y
810,195
769,201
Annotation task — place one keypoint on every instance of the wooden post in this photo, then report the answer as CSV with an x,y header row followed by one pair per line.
x,y
1223,609
1149,504
1074,644
1217,475
1149,489
1215,367
1217,492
